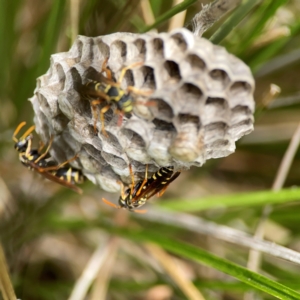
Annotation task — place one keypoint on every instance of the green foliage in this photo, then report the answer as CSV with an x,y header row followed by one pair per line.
x,y
46,233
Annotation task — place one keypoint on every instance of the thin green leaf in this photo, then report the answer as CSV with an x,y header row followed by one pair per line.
x,y
262,58
246,199
169,14
265,12
52,34
188,251
233,21
8,40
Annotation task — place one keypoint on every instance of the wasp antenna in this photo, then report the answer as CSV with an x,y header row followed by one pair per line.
x,y
28,131
140,211
110,203
22,124
148,103
123,71
132,178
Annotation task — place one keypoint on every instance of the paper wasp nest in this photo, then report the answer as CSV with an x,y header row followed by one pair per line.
x,y
202,102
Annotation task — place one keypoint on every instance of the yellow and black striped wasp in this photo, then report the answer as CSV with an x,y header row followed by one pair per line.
x,y
106,89
138,194
34,160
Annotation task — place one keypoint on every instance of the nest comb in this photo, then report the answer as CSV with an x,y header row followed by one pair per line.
x,y
202,102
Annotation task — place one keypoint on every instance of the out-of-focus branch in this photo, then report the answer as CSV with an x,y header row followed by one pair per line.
x,y
6,287
178,20
220,232
254,255
74,18
166,261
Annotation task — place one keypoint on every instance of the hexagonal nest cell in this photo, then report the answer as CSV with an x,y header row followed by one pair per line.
x,y
191,101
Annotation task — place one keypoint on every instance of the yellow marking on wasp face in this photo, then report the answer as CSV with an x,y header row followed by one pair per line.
x,y
153,176
69,175
76,178
158,173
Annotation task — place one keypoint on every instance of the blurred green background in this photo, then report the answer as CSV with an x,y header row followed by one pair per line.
x,y
49,234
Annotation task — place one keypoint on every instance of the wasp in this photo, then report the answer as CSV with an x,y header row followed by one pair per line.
x,y
39,162
138,194
106,89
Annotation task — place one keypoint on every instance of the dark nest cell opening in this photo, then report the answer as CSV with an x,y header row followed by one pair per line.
x,y
163,125
89,55
216,127
191,90
149,78
141,47
158,47
196,62
179,41
190,120
44,105
172,69
218,144
218,103
240,124
61,120
220,79
160,107
129,79
189,96
242,110
61,75
103,48
114,160
95,153
119,48
134,138
240,87
79,49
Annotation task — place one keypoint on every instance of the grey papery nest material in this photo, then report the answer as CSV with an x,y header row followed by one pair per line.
x,y
201,103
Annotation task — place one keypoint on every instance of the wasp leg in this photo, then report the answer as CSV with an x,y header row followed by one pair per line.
x,y
159,194
138,91
105,69
53,168
144,181
120,118
132,179
102,112
94,104
123,72
46,152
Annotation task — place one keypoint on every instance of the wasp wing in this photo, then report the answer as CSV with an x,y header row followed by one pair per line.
x,y
54,178
154,186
